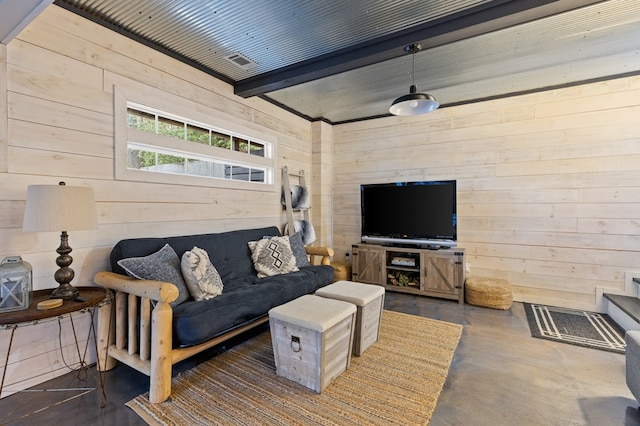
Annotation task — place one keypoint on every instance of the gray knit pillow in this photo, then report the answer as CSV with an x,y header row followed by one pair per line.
x,y
297,247
163,265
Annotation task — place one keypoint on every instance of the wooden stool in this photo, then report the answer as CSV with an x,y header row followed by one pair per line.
x,y
489,293
341,271
369,300
312,339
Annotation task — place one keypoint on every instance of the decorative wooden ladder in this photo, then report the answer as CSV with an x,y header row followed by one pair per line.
x,y
286,189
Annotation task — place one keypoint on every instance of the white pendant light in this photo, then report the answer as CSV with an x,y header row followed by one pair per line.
x,y
414,103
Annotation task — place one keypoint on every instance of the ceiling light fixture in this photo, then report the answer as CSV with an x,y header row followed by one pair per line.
x,y
414,103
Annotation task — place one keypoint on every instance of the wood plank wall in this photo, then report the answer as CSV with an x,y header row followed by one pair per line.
x,y
4,126
58,103
548,184
322,158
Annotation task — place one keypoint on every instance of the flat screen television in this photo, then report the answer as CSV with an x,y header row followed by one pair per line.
x,y
409,213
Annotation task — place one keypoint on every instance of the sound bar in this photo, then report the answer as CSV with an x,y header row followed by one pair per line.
x,y
409,241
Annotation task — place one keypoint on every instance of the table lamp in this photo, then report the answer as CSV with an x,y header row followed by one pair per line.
x,y
60,208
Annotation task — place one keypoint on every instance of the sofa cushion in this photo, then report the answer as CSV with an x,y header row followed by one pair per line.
x,y
228,251
201,277
272,256
163,265
243,301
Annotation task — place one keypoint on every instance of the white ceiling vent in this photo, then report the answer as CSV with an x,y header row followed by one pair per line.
x,y
242,61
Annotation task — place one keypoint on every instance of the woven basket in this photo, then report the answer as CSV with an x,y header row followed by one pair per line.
x,y
489,293
341,271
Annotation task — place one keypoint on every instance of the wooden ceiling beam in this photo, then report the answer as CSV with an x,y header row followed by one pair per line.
x,y
482,19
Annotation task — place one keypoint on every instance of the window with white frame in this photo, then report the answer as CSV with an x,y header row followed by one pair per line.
x,y
157,159
197,146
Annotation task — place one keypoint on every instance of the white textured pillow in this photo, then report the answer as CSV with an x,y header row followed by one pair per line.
x,y
272,256
201,277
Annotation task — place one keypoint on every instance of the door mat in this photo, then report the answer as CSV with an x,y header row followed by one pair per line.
x,y
575,327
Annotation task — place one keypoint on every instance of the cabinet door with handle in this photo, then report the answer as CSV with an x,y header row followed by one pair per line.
x,y
440,274
368,263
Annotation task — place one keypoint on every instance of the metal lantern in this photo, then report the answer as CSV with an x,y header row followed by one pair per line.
x,y
16,284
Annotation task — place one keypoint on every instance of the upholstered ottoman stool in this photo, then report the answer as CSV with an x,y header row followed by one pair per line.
x,y
312,339
489,293
369,299
341,271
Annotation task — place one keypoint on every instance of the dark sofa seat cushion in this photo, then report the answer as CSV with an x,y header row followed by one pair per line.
x,y
242,301
244,298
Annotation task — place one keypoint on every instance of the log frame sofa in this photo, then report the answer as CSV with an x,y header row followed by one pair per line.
x,y
138,327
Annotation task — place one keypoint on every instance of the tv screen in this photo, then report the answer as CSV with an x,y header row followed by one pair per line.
x,y
409,212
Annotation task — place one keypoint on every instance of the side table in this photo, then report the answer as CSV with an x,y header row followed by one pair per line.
x,y
92,298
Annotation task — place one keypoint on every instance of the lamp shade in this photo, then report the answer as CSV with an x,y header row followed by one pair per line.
x,y
413,103
59,208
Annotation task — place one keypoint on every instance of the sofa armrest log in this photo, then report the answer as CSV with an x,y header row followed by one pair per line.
x,y
148,351
154,290
325,252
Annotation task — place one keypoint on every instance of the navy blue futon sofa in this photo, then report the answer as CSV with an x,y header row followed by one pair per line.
x,y
151,335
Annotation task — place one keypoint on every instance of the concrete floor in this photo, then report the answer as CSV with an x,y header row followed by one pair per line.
x,y
500,376
503,376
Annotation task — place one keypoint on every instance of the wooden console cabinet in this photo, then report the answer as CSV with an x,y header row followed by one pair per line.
x,y
437,273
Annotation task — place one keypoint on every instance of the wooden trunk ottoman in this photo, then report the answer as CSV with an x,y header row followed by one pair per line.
x,y
312,339
369,299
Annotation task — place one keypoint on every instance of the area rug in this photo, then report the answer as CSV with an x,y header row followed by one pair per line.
x,y
396,381
582,328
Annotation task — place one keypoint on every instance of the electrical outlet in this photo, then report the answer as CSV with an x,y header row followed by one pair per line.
x,y
467,267
347,255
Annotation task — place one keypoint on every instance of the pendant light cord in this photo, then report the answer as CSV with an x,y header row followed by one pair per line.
x,y
413,68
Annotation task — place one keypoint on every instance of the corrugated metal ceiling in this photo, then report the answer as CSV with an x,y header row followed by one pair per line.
x,y
344,60
274,33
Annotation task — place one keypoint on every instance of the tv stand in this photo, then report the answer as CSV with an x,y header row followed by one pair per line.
x,y
429,271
